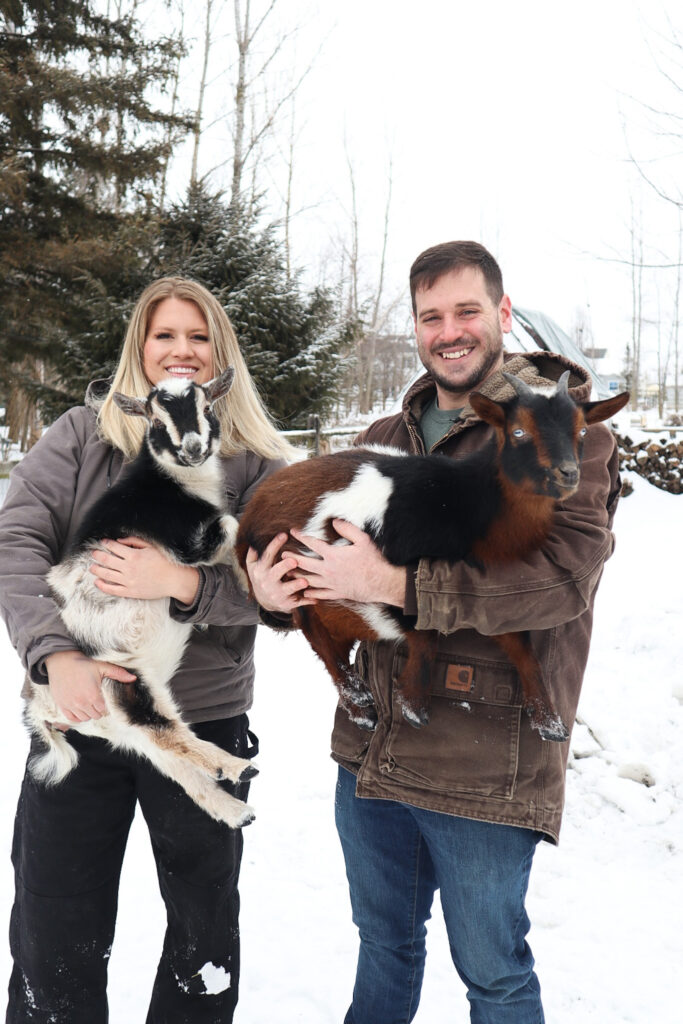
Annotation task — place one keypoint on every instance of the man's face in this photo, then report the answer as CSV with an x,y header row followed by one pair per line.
x,y
459,331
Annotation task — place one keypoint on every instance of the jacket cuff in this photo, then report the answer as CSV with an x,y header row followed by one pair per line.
x,y
186,612
34,658
276,620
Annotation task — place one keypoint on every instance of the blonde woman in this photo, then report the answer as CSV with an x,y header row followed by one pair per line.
x,y
70,839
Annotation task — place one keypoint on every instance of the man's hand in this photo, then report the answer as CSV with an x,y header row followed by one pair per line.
x,y
356,571
267,574
76,683
133,568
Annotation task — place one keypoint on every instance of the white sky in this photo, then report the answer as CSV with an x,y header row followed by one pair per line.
x,y
505,122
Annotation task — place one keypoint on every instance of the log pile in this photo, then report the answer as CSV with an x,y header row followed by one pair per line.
x,y
659,461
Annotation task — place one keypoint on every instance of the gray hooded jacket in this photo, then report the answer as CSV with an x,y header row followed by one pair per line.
x,y
57,480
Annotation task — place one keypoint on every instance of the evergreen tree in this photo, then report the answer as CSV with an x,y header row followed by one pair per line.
x,y
81,151
292,341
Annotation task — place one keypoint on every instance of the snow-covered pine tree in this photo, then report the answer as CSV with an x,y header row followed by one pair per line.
x,y
293,341
82,148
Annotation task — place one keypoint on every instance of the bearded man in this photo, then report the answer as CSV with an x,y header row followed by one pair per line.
x,y
461,804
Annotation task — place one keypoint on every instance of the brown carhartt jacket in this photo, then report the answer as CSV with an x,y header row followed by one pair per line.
x,y
49,490
479,757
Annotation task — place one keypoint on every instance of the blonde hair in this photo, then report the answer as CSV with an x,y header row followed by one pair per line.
x,y
245,424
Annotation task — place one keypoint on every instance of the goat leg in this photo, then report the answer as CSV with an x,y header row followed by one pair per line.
x,y
412,684
195,765
332,637
178,739
537,702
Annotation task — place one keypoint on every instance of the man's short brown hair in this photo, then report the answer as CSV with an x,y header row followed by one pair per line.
x,y
433,263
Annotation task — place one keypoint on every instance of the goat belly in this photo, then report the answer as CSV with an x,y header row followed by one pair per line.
x,y
121,630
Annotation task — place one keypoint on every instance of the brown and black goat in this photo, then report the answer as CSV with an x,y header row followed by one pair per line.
x,y
491,507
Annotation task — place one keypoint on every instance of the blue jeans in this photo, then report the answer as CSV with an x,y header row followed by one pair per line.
x,y
397,856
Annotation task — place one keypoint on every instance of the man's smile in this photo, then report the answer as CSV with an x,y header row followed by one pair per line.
x,y
457,353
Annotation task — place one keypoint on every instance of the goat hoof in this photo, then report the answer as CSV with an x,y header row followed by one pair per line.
x,y
552,729
415,717
365,719
362,698
248,773
357,693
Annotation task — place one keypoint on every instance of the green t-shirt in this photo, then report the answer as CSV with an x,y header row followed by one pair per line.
x,y
435,423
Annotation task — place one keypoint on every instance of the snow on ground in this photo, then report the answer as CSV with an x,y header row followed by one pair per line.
x,y
606,905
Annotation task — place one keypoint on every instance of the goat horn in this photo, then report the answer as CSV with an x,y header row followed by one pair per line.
x,y
563,384
522,389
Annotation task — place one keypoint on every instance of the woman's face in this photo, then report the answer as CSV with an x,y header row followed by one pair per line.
x,y
177,343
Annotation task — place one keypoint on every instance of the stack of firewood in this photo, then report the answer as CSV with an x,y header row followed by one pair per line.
x,y
660,461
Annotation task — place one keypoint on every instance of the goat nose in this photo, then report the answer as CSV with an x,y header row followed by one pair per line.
x,y
192,447
568,474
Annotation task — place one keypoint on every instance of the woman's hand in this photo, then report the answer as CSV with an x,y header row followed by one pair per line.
x,y
76,683
133,568
273,592
356,571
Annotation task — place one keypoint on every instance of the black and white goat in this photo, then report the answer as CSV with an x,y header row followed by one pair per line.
x,y
491,507
171,496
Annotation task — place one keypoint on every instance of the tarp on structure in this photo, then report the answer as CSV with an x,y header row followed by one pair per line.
x,y
533,330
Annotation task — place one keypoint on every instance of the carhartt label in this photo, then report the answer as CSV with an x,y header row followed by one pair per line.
x,y
460,678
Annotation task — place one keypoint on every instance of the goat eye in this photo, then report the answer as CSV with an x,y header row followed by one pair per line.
x,y
519,432
583,432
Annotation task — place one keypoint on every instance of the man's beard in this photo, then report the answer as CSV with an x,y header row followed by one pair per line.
x,y
477,375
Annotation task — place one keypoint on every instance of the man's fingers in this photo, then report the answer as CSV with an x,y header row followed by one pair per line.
x,y
314,595
313,543
348,531
271,552
292,586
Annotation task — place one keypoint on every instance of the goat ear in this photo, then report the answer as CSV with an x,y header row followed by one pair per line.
x,y
596,412
220,385
131,406
487,410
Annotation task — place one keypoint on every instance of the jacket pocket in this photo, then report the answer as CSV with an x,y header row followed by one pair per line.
x,y
471,744
349,743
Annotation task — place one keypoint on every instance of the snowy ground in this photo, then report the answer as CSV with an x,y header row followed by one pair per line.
x,y
606,905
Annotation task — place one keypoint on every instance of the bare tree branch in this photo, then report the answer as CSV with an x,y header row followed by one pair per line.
x,y
202,88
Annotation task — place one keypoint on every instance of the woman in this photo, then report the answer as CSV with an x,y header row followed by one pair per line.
x,y
70,839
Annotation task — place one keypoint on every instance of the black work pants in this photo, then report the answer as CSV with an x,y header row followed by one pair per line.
x,y
68,851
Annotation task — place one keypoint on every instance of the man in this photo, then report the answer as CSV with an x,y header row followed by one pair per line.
x,y
460,804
